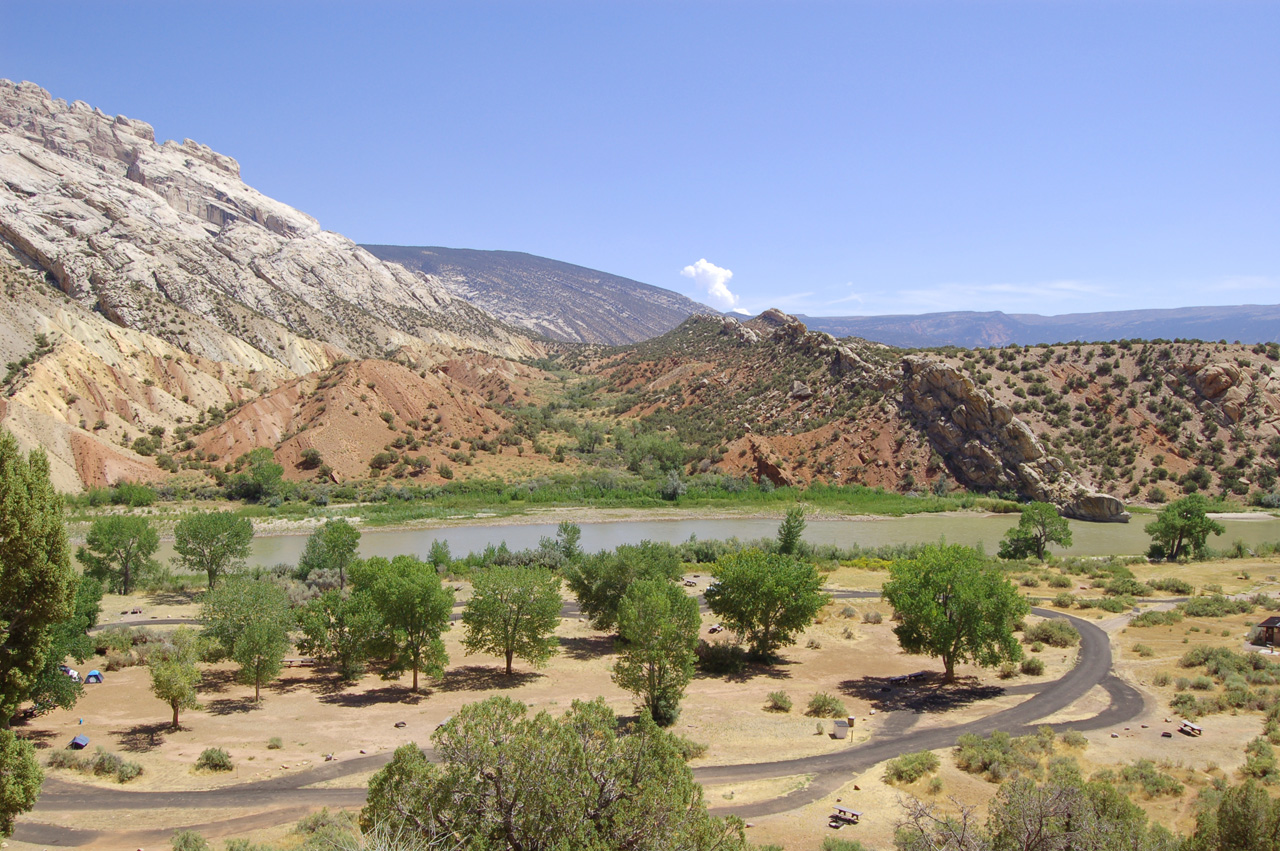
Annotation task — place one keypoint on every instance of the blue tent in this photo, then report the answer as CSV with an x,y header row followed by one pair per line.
x,y
95,676
79,742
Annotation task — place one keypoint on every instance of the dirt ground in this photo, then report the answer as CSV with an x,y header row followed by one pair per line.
x,y
313,715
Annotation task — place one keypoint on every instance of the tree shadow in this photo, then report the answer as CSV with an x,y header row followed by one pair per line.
x,y
142,738
928,694
40,739
485,678
231,705
373,697
588,647
173,598
775,670
216,682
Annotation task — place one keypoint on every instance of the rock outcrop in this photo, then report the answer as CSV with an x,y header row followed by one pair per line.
x,y
987,447
166,238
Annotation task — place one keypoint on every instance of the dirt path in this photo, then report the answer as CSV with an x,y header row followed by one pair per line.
x,y
289,796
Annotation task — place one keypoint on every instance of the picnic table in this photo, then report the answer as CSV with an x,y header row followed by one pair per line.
x,y
843,816
1190,729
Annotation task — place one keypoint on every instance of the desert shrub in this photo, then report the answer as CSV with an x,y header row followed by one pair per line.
x,y
994,757
326,821
1055,632
872,616
127,771
1214,606
1153,781
688,748
274,743
848,612
104,763
910,767
1260,762
214,759
1037,646
1074,739
1064,600
1033,666
778,702
189,840
1115,605
1144,651
64,759
1126,586
1007,671
721,657
1171,585
1202,684
832,844
1059,580
823,705
1161,679
1168,618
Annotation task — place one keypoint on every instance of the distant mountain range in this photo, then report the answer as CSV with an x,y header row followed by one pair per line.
x,y
557,300
1247,323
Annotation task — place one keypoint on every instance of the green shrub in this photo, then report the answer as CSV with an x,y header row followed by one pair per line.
x,y
778,702
910,767
1126,587
1144,651
872,617
1172,585
1074,739
721,657
823,705
1064,600
1260,762
1168,618
1161,679
64,759
127,771
104,763
274,743
326,821
830,843
1153,781
996,756
214,759
689,749
1214,606
1202,684
1059,580
1033,666
189,840
1055,632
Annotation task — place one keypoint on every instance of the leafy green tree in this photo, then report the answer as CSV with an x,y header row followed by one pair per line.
x,y
118,550
1039,526
1183,525
20,779
230,608
765,598
509,781
259,651
954,605
600,580
568,540
331,547
659,624
339,628
174,673
262,476
413,608
69,640
212,542
513,612
789,533
1244,819
37,582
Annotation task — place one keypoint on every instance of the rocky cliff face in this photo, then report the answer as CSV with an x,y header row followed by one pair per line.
x,y
987,447
166,238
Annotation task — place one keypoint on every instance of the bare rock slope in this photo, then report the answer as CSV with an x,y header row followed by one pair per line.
x,y
557,300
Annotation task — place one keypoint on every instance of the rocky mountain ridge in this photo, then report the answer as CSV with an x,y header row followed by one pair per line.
x,y
550,298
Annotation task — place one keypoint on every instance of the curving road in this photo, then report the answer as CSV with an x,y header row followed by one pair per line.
x,y
288,796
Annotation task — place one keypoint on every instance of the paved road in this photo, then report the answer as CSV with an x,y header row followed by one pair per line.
x,y
287,795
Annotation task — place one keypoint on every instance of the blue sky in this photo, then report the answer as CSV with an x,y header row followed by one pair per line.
x,y
838,158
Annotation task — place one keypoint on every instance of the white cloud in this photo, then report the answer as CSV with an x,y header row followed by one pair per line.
x,y
714,281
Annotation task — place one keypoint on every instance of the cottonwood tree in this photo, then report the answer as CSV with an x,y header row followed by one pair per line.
x,y
765,598
118,550
259,651
175,676
231,607
37,582
954,605
20,779
332,547
513,612
506,780
413,608
790,541
1182,526
212,542
658,623
599,581
1039,526
339,629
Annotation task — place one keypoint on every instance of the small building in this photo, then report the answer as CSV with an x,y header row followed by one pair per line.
x,y
1269,627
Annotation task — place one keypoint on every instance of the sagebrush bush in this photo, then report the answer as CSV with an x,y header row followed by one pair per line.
x,y
823,705
1055,632
64,759
1074,739
910,767
872,617
779,701
688,748
1033,666
189,840
214,759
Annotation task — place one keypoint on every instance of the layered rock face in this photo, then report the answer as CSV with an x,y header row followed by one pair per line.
x,y
986,446
167,238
